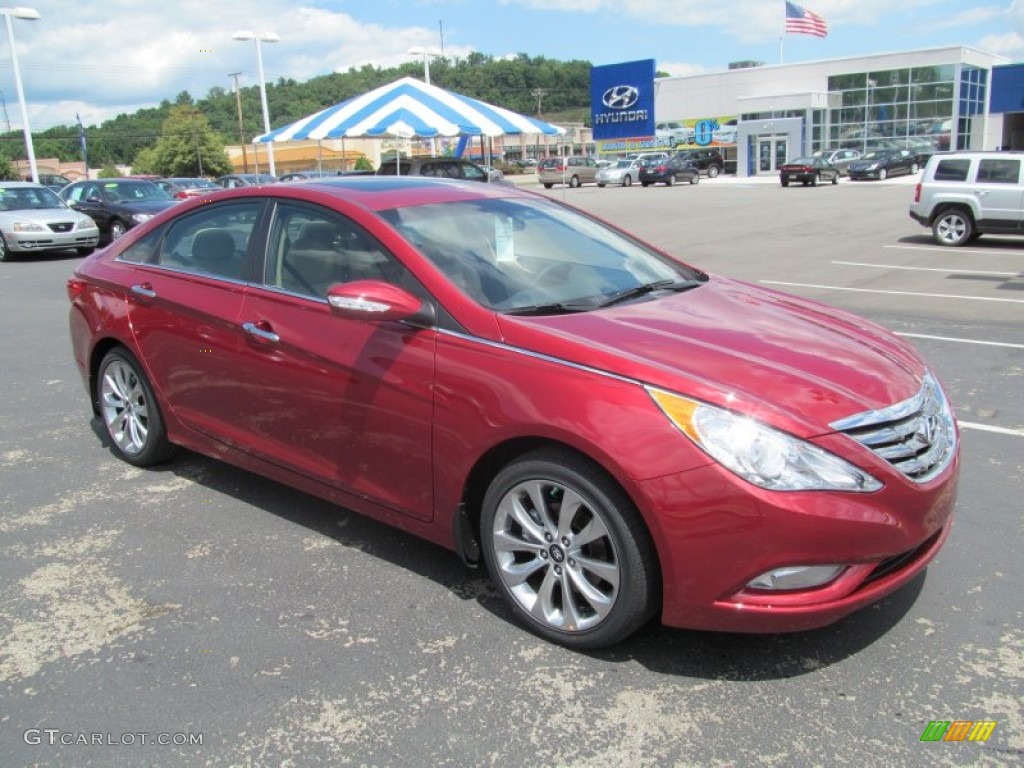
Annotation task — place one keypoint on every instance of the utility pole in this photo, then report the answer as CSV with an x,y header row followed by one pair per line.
x,y
440,26
241,130
7,120
540,93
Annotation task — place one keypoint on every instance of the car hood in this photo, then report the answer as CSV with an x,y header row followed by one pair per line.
x,y
143,206
790,362
42,216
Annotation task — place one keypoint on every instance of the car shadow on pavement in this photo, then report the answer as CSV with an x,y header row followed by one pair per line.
x,y
676,652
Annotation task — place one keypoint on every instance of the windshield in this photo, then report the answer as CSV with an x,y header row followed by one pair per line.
x,y
624,164
134,191
802,161
511,254
28,198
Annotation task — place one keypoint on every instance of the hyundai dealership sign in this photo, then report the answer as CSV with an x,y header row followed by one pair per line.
x,y
622,99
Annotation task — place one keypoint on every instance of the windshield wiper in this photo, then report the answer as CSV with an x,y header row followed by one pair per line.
x,y
554,308
645,288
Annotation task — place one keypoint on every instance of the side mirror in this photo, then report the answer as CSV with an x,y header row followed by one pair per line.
x,y
373,301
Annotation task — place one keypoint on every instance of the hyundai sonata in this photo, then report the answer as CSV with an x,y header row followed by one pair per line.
x,y
613,432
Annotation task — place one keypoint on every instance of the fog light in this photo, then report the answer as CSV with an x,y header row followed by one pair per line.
x,y
796,577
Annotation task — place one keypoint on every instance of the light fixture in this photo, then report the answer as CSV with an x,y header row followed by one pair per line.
x,y
29,14
264,37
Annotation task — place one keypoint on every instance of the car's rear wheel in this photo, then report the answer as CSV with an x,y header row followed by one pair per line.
x,y
712,171
670,180
574,181
835,178
129,411
952,227
814,180
695,179
627,181
601,184
548,186
785,182
568,551
644,183
914,168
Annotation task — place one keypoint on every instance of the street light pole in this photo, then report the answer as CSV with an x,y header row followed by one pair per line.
x,y
266,37
30,14
241,129
426,53
195,135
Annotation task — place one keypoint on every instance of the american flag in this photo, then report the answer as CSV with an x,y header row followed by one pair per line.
x,y
802,22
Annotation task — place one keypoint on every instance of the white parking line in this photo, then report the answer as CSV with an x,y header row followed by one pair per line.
x,y
961,341
989,428
893,293
936,248
931,269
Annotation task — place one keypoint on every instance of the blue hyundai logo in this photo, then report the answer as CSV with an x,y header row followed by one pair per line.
x,y
620,97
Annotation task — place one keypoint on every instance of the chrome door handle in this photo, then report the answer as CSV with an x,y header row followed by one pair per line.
x,y
254,330
144,290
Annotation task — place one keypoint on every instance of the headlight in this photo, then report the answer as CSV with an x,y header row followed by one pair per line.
x,y
138,218
873,167
85,224
758,453
28,226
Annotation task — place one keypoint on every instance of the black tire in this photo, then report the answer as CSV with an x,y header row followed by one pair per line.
x,y
670,181
574,181
551,584
883,174
548,186
627,180
85,251
695,179
785,182
712,171
835,178
814,180
600,184
644,183
5,254
117,229
914,168
129,411
953,227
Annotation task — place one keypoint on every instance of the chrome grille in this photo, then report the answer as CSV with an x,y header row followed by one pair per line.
x,y
917,436
64,226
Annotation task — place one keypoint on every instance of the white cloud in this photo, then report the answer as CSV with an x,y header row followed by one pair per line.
x,y
680,69
1010,44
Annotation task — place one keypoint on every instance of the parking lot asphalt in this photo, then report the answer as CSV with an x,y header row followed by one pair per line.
x,y
200,601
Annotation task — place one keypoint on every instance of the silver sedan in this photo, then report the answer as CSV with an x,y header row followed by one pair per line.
x,y
622,172
33,218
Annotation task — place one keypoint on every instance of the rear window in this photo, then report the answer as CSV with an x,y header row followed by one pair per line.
x,y
951,169
551,162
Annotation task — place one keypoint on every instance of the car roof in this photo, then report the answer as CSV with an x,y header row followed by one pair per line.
x,y
377,193
20,185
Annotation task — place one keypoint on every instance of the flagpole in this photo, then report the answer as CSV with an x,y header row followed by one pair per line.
x,y
782,31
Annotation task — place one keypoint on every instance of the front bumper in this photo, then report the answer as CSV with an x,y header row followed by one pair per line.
x,y
715,533
26,242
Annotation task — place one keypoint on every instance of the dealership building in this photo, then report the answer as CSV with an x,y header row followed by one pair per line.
x,y
759,115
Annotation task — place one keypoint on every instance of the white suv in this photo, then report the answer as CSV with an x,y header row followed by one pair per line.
x,y
963,195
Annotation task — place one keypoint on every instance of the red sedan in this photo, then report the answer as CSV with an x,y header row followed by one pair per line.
x,y
615,433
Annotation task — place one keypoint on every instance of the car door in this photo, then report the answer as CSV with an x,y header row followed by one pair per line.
x,y
346,402
184,298
1000,194
88,199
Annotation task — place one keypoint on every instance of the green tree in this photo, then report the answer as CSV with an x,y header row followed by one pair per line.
x,y
364,164
108,171
187,146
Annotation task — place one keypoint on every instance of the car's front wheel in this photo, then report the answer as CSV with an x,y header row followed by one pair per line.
x,y
5,254
883,174
117,229
952,227
129,410
568,551
627,181
835,178
695,179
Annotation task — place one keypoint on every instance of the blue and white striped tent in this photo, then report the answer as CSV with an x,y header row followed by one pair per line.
x,y
409,108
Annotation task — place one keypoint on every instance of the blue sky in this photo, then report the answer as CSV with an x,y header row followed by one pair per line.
x,y
100,58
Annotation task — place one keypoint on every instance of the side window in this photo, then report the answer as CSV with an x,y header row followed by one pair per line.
x,y
311,249
473,172
999,171
76,194
211,241
144,251
574,161
950,169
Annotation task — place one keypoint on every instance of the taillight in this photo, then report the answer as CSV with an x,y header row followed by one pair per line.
x,y
76,288
183,195
917,193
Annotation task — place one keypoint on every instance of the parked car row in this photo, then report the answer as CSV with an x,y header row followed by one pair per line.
x,y
829,165
646,168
